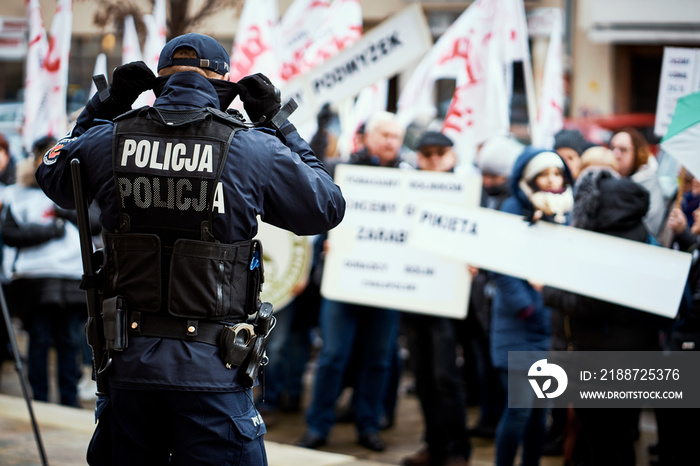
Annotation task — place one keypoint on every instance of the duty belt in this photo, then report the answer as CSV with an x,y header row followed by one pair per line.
x,y
171,327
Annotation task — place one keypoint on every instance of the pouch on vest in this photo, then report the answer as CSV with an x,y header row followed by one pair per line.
x,y
212,280
132,270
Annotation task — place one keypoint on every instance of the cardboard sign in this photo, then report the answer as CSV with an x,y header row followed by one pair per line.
x,y
369,260
382,52
680,75
641,276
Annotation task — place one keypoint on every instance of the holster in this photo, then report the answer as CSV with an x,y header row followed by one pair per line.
x,y
264,323
114,322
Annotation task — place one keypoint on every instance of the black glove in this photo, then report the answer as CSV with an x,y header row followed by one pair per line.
x,y
69,215
260,98
56,229
130,80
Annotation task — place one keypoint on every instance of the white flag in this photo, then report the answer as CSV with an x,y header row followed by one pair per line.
x,y
35,84
297,29
341,27
131,49
100,68
56,66
475,51
550,118
155,35
254,48
155,41
47,73
446,60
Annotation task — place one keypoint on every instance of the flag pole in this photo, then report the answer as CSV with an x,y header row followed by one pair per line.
x,y
527,71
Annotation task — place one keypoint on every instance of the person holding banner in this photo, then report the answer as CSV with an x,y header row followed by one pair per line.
x,y
432,343
541,187
605,203
180,186
635,161
346,327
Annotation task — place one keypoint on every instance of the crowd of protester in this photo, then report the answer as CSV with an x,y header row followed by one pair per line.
x,y
611,189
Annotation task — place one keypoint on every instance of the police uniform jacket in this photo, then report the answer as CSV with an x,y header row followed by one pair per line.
x,y
276,177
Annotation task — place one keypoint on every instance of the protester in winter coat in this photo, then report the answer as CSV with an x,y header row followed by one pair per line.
x,y
608,204
520,321
45,279
433,346
635,161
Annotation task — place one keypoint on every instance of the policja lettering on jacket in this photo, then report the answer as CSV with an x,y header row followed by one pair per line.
x,y
170,157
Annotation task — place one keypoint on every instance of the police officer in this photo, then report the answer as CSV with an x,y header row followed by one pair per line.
x,y
180,186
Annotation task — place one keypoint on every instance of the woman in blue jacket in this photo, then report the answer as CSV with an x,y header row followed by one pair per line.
x,y
541,187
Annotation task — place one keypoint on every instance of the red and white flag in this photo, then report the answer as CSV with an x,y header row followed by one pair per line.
x,y
35,83
312,31
155,35
131,49
476,51
342,26
47,73
255,45
297,29
56,65
550,117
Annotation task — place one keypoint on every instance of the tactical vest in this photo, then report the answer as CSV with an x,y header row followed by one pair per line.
x,y
164,259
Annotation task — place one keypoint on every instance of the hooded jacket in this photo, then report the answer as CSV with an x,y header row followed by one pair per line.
x,y
615,206
519,321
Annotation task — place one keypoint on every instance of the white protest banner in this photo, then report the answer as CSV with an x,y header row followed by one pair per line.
x,y
641,276
680,75
369,261
382,52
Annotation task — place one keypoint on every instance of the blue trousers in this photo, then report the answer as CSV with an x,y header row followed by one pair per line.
x,y
520,426
177,428
62,328
345,328
288,351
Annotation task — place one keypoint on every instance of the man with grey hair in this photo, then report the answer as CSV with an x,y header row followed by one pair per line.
x,y
383,138
366,335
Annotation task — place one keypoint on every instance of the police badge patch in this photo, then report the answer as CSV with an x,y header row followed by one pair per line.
x,y
51,156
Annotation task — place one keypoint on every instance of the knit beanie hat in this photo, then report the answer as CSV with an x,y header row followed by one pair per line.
x,y
572,139
497,155
539,163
